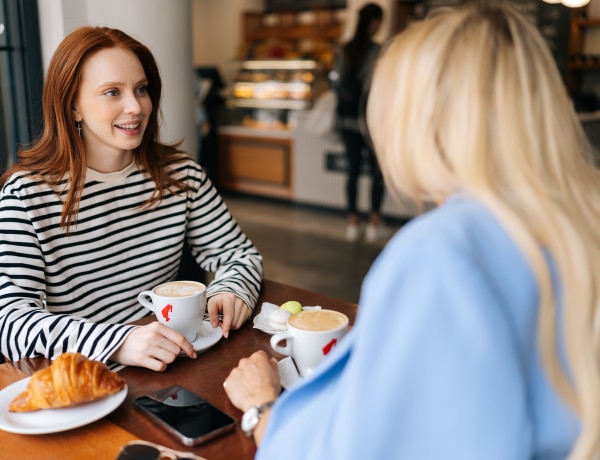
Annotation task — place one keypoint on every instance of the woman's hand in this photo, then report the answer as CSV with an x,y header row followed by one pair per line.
x,y
253,382
153,346
235,312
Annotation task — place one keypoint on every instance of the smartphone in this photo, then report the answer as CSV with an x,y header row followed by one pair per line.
x,y
185,414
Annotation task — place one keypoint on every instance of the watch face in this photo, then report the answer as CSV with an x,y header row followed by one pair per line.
x,y
249,420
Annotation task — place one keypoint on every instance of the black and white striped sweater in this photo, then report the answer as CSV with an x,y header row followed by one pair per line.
x,y
77,291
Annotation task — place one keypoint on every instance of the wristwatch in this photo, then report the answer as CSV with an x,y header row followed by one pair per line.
x,y
252,416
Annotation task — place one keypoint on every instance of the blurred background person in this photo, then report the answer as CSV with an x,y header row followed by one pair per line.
x,y
354,64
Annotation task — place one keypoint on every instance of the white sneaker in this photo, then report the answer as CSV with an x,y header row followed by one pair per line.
x,y
374,233
352,232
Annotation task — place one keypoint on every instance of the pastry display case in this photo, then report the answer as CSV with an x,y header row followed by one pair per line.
x,y
265,93
281,69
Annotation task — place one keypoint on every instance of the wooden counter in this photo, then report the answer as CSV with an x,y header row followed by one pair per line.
x,y
256,161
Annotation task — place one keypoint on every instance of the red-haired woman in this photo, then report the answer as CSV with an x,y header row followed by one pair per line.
x,y
98,210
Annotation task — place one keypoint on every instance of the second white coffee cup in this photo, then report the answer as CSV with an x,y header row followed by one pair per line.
x,y
177,304
310,336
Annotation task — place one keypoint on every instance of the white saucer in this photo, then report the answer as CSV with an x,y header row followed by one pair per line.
x,y
207,336
288,373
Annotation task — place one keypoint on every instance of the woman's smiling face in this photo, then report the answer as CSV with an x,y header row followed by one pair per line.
x,y
113,106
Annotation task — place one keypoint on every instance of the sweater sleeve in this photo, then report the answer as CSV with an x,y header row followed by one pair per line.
x,y
220,246
27,328
447,379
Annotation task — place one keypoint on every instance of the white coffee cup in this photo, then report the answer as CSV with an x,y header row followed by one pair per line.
x,y
177,304
310,336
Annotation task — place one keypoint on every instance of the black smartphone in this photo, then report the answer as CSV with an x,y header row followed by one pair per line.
x,y
185,414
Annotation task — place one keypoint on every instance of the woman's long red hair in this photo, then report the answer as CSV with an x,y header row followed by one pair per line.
x,y
58,155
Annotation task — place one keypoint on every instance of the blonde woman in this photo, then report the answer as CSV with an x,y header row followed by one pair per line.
x,y
478,330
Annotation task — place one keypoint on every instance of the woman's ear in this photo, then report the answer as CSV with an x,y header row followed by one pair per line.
x,y
76,115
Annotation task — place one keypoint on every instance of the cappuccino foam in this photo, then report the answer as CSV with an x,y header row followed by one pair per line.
x,y
179,289
318,320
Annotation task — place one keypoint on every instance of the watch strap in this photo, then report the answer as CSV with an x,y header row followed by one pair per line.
x,y
263,407
260,410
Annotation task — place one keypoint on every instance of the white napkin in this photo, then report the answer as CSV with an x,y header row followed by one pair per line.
x,y
261,321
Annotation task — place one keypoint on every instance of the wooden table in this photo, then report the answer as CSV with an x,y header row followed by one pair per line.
x,y
204,376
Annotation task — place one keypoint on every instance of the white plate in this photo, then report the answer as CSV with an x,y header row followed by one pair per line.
x,y
53,420
288,373
207,336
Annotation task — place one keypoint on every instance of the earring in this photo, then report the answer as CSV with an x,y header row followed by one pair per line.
x,y
78,124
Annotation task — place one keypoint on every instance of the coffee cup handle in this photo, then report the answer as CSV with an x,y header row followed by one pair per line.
x,y
278,337
143,299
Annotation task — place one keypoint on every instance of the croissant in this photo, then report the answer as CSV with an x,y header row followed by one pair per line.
x,y
71,379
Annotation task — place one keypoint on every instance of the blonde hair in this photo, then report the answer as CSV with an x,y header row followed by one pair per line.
x,y
471,100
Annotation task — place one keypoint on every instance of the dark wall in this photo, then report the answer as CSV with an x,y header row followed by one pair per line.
x,y
297,5
21,76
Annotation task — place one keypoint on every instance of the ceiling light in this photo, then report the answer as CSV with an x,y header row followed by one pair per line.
x,y
574,3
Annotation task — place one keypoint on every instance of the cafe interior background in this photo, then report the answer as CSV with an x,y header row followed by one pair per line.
x,y
247,88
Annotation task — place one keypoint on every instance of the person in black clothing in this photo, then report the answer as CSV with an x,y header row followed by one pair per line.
x,y
354,64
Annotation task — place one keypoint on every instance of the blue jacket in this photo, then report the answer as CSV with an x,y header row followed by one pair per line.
x,y
442,362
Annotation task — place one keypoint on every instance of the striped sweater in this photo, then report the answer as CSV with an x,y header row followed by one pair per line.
x,y
76,291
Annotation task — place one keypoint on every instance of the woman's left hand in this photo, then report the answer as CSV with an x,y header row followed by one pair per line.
x,y
234,310
254,381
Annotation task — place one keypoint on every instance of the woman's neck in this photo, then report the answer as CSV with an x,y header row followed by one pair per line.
x,y
109,163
